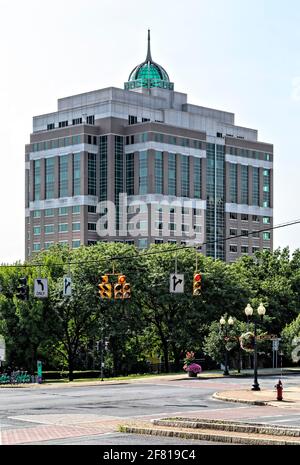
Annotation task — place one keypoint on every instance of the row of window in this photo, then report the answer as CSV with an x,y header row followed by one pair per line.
x,y
255,218
143,208
62,211
143,225
64,142
62,124
165,138
245,233
37,245
245,249
250,154
62,228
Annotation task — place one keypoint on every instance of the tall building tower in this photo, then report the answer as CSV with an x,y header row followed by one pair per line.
x,y
189,174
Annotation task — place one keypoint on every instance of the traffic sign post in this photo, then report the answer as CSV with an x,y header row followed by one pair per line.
x,y
2,350
275,348
41,288
176,283
67,291
39,371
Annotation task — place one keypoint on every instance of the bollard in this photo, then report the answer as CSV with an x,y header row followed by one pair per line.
x,y
279,388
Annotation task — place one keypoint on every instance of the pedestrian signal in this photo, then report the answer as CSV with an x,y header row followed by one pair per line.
x,y
197,284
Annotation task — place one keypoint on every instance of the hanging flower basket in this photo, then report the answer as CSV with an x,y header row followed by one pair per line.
x,y
247,341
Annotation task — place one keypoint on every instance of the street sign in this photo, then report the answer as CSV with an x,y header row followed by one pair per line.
x,y
41,288
2,349
275,344
176,283
67,286
39,371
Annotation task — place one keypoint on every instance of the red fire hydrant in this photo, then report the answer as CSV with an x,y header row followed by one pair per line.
x,y
279,388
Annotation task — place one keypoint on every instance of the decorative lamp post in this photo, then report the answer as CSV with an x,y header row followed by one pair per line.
x,y
261,312
224,328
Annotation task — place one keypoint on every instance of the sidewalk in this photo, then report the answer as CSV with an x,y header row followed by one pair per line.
x,y
291,397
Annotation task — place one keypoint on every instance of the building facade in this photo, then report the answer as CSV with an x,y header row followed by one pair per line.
x,y
175,172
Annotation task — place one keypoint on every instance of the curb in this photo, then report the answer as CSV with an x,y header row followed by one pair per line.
x,y
206,436
219,396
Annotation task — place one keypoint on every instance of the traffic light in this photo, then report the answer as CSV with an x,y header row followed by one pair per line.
x,y
118,291
197,284
126,291
122,289
23,289
104,288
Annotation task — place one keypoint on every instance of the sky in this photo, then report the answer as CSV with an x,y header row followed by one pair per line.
x,y
241,56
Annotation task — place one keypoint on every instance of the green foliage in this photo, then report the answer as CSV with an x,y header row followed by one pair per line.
x,y
63,332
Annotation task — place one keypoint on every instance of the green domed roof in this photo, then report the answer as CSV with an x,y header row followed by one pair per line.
x,y
149,74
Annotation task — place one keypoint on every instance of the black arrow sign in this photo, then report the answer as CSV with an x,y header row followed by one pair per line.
x,y
175,283
40,283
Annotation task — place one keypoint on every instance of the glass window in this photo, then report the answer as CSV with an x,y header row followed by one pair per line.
x,y
143,225
75,226
172,174
244,182
37,180
91,174
233,183
197,228
49,228
130,173
63,176
233,232
92,209
76,209
255,249
197,178
244,249
158,172
244,217
92,226
75,244
37,230
266,236
266,220
37,214
49,178
185,176
233,216
142,243
76,173
255,186
233,248
103,168
255,218
63,211
143,170
48,245
244,233
172,227
36,246
159,241
49,212
63,227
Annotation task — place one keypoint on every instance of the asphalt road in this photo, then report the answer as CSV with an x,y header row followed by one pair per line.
x,y
30,407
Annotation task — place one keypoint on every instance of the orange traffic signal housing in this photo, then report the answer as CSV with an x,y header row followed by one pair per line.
x,y
197,284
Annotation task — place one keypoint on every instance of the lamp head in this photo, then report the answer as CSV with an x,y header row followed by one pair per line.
x,y
222,321
261,310
231,321
249,310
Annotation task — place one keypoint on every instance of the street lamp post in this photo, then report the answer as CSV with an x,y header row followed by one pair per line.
x,y
261,312
224,328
